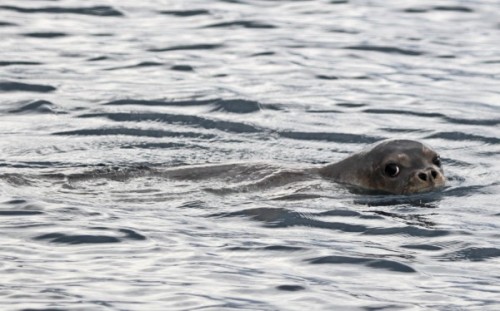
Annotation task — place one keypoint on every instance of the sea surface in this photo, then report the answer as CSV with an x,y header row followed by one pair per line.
x,y
96,95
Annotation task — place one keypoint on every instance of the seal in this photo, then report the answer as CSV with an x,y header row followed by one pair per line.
x,y
396,166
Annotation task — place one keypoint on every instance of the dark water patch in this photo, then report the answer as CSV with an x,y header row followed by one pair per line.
x,y
491,62
462,9
19,213
325,77
143,102
416,10
187,47
14,63
243,24
196,121
459,136
263,54
485,122
132,235
186,13
186,68
139,65
157,146
7,24
25,87
453,8
93,10
339,1
290,288
384,49
297,197
424,247
280,248
133,132
45,35
369,262
97,58
283,218
408,231
237,106
38,106
61,238
44,309
333,137
350,105
472,254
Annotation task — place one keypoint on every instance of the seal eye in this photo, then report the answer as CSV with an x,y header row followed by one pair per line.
x,y
391,170
437,161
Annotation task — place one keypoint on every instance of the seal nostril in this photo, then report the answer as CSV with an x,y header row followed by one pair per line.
x,y
422,176
434,174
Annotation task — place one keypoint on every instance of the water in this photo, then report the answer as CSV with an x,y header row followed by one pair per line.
x,y
107,90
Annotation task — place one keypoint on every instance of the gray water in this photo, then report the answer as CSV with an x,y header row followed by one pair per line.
x,y
110,90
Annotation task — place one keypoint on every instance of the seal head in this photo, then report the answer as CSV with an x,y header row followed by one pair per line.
x,y
393,166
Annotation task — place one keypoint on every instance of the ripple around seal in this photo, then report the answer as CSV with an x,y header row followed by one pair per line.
x,y
283,218
384,49
369,262
133,132
17,86
225,126
94,10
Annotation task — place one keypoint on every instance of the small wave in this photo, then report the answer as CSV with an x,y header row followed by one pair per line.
x,y
334,137
19,213
369,262
225,126
46,35
384,49
472,254
133,132
424,247
226,105
290,288
139,65
7,24
459,136
186,13
38,106
186,68
17,86
94,10
407,230
243,24
485,122
72,239
14,63
187,47
461,9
